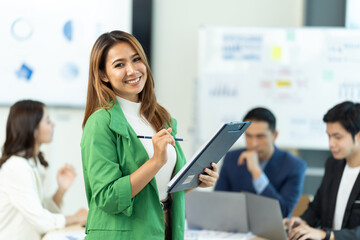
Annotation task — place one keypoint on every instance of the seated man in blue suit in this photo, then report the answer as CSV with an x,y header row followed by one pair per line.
x,y
262,168
334,214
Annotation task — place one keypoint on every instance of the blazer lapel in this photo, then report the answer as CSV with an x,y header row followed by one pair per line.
x,y
120,125
337,172
140,155
118,122
271,168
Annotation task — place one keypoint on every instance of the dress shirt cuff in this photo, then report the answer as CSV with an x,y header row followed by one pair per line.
x,y
60,221
261,183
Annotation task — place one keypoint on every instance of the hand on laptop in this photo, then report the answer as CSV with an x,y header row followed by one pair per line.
x,y
298,229
303,232
293,222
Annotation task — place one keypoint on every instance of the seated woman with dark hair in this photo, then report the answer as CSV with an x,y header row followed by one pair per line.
x,y
25,212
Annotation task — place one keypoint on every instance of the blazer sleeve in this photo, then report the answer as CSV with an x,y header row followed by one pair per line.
x,y
22,191
223,184
108,187
290,191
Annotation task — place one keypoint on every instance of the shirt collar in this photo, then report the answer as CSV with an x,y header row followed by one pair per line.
x,y
129,107
273,156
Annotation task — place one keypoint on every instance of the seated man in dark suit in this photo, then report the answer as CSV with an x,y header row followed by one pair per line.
x,y
262,168
336,206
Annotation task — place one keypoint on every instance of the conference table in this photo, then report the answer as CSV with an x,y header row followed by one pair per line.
x,y
76,232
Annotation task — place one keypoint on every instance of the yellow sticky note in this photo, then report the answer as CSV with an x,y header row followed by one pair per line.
x,y
276,53
283,83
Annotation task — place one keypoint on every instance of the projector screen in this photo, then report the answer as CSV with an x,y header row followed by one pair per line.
x,y
45,47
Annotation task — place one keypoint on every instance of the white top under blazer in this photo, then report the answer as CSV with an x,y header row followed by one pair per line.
x,y
142,127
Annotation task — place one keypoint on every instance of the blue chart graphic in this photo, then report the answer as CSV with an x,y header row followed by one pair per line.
x,y
21,29
68,30
239,47
70,71
25,72
223,90
349,91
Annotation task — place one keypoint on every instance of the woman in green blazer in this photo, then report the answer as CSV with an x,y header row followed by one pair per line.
x,y
124,176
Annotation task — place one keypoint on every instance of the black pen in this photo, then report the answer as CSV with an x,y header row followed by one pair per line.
x,y
149,137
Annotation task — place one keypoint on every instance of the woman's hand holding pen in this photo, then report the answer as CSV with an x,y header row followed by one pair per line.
x,y
210,179
160,141
148,170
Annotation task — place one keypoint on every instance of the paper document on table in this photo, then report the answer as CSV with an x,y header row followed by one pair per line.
x,y
76,235
212,235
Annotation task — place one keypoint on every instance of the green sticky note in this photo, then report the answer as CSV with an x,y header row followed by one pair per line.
x,y
328,75
290,35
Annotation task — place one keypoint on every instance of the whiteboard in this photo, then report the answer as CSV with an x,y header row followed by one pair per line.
x,y
45,46
298,73
352,16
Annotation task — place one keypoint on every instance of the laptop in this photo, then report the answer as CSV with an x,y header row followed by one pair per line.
x,y
219,211
235,212
265,217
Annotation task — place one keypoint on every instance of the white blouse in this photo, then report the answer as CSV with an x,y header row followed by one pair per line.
x,y
142,127
25,213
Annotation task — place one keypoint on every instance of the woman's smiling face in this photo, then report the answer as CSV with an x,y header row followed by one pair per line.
x,y
126,72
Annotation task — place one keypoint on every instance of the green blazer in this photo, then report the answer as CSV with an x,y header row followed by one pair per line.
x,y
110,152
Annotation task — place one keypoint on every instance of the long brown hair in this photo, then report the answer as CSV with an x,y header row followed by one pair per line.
x,y
101,95
23,120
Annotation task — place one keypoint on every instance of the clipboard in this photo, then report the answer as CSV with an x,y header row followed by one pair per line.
x,y
212,151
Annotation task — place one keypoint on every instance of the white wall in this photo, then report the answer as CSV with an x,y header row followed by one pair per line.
x,y
175,28
65,148
175,40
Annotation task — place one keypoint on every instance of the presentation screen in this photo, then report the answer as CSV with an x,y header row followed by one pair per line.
x,y
352,19
45,47
298,73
